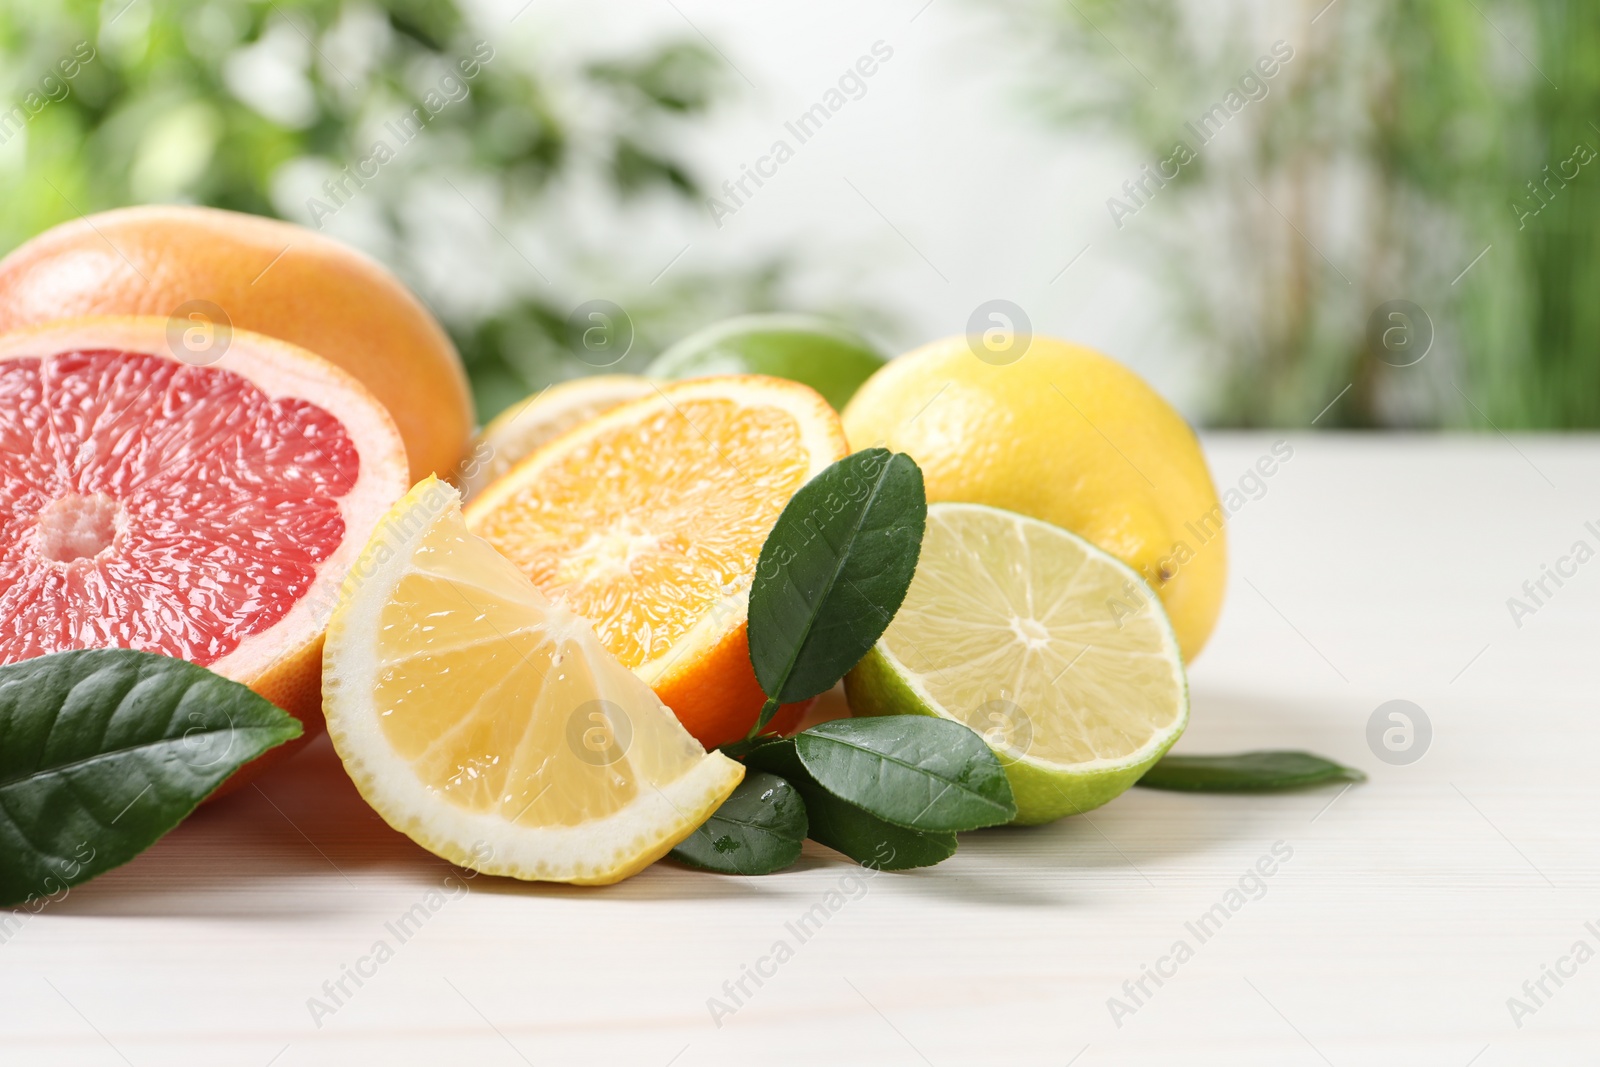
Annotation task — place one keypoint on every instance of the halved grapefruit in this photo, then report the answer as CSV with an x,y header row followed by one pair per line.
x,y
203,512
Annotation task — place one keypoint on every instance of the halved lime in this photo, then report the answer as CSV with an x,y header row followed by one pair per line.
x,y
831,358
1053,650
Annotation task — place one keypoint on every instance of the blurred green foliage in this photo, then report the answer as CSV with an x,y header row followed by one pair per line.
x,y
1401,141
251,104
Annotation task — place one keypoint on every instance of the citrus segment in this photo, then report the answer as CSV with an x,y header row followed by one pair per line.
x,y
487,721
1052,649
201,512
649,520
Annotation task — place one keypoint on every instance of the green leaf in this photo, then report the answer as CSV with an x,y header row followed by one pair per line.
x,y
105,750
833,572
844,827
912,770
1247,772
757,830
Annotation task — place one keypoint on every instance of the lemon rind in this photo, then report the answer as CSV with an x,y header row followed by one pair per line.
x,y
595,852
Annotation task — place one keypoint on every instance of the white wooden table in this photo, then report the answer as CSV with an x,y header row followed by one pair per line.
x,y
1411,908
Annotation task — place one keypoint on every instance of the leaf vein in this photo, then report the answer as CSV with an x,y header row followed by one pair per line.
x,y
62,768
842,556
928,771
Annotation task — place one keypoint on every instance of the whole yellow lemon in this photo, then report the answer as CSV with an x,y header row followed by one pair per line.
x,y
1067,435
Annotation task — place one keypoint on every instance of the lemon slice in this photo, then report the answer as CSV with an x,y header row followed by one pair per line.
x,y
489,724
1053,650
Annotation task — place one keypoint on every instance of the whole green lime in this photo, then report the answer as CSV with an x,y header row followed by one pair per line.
x,y
829,357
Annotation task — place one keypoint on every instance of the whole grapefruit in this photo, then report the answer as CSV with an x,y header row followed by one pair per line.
x,y
268,276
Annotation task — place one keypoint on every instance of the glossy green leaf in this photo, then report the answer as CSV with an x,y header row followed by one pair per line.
x,y
844,827
758,830
105,750
912,770
1246,772
833,572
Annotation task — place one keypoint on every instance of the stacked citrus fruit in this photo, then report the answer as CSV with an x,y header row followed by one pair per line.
x,y
529,684
640,508
527,689
1062,583
1066,435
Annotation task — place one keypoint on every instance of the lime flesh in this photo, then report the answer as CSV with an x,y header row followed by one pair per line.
x,y
1053,650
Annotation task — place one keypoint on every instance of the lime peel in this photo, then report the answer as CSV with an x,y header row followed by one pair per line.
x,y
1001,598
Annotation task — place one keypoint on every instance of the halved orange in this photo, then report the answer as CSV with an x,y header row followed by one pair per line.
x,y
648,520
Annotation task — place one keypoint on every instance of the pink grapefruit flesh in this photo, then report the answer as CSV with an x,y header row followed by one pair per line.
x,y
206,512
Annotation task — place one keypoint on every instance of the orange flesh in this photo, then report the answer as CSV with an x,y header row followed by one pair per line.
x,y
689,495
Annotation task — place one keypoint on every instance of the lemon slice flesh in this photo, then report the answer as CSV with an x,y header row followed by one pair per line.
x,y
1053,650
489,724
